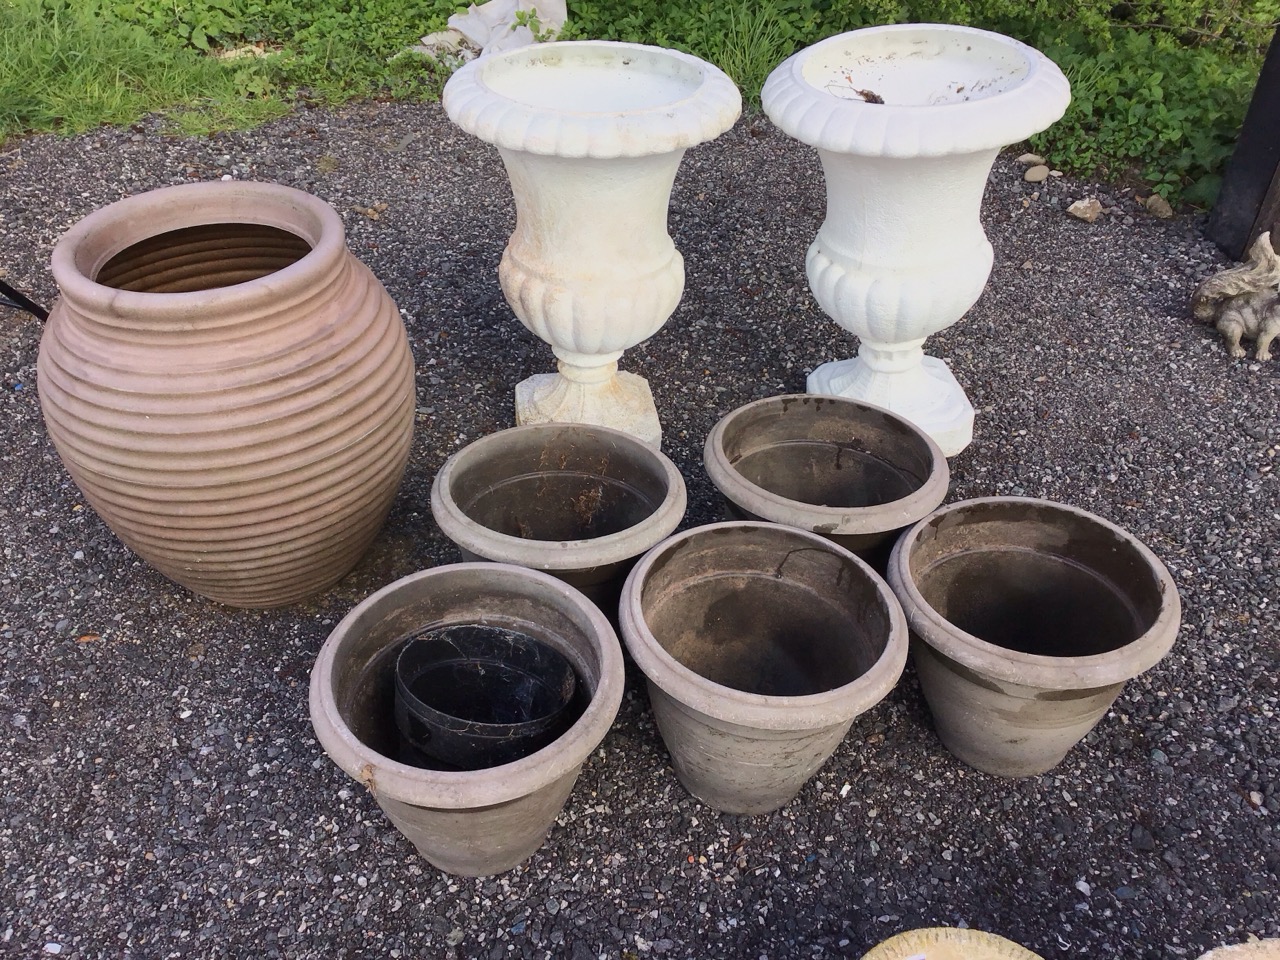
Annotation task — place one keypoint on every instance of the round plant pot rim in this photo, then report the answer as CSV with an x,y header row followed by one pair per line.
x,y
903,131
833,520
557,554
977,944
1267,948
1028,669
146,215
482,111
761,711
453,790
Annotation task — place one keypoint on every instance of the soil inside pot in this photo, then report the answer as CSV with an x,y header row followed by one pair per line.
x,y
826,453
828,474
769,618
558,490
1032,602
203,257
761,635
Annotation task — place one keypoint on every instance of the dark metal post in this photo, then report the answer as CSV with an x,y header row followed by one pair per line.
x,y
1249,201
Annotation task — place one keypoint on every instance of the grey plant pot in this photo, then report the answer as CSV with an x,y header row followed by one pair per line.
x,y
478,822
855,473
580,502
760,644
1027,617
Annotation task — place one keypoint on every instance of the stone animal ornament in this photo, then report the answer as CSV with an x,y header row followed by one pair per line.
x,y
1244,301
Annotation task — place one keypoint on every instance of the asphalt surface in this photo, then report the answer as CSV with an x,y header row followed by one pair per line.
x,y
162,794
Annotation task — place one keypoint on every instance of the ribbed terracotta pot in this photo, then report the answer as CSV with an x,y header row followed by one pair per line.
x,y
229,387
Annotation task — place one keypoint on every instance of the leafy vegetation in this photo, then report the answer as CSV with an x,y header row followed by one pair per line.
x,y
1160,86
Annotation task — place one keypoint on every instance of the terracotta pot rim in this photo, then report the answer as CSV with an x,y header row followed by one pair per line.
x,y
1029,669
974,944
85,248
558,555
761,711
455,790
839,521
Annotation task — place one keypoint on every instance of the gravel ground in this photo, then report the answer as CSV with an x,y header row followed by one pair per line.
x,y
162,793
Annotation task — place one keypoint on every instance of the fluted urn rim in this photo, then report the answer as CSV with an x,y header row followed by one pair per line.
x,y
89,245
629,100
870,92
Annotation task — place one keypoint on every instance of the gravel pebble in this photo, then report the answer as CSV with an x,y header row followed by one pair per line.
x,y
162,794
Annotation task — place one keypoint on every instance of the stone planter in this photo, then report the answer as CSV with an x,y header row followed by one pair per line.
x,y
1027,617
592,134
760,644
907,121
229,387
856,474
949,943
470,822
580,502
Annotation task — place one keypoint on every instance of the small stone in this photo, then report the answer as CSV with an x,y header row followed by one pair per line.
x,y
1158,206
1088,209
1125,893
1031,159
1037,174
51,947
1141,838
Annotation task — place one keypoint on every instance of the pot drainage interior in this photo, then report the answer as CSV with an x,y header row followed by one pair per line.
x,y
367,699
568,505
204,257
827,474
766,636
470,696
1031,602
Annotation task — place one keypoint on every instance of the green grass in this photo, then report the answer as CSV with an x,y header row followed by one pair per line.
x,y
66,66
754,42
1160,86
71,65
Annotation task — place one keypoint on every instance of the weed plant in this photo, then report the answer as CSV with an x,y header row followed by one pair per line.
x,y
68,65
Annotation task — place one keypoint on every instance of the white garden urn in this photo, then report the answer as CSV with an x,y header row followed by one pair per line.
x,y
592,134
907,121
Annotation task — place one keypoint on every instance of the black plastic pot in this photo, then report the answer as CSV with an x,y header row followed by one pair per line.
x,y
470,696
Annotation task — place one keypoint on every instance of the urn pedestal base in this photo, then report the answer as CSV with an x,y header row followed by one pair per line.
x,y
927,394
623,402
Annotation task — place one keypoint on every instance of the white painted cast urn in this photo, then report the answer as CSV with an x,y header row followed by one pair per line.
x,y
908,120
592,133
